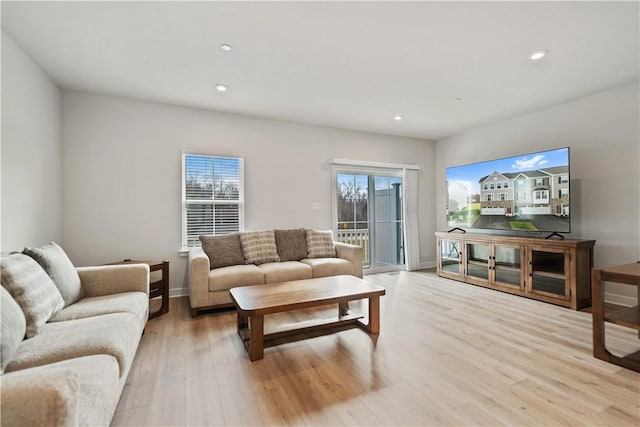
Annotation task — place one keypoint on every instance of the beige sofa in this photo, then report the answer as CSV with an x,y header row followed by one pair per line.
x,y
80,342
263,257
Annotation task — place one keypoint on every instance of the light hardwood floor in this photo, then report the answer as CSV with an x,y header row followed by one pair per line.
x,y
447,354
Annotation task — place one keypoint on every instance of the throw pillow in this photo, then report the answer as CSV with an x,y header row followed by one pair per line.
x,y
32,289
223,251
58,266
320,244
292,244
259,247
13,327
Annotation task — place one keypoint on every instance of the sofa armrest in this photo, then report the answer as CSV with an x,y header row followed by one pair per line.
x,y
113,279
351,253
38,397
198,278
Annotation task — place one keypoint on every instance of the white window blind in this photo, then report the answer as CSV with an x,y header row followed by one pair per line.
x,y
212,196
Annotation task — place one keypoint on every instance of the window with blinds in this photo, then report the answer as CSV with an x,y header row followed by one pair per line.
x,y
212,196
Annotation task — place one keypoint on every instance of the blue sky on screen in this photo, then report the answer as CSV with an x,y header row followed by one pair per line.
x,y
469,175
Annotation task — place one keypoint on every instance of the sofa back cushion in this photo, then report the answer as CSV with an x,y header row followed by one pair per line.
x,y
292,244
223,251
58,266
259,247
13,327
320,244
32,289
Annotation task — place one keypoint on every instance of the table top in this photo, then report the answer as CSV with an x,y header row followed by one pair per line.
x,y
136,261
153,265
629,272
274,298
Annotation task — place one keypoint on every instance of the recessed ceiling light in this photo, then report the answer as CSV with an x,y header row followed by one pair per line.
x,y
538,55
398,118
226,47
221,87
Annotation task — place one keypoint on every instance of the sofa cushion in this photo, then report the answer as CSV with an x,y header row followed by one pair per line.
x,y
99,387
276,272
58,266
324,267
320,244
233,276
13,327
135,303
32,289
40,397
292,244
83,391
259,247
223,250
115,334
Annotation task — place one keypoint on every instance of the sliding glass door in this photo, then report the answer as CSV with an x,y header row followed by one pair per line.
x,y
387,222
369,214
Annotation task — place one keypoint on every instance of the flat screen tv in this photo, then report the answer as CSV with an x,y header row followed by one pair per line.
x,y
522,193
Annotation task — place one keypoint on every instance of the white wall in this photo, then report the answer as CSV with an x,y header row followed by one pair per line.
x,y
121,174
31,153
603,133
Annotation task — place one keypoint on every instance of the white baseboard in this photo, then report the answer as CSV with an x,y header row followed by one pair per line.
x,y
422,266
622,300
179,292
427,264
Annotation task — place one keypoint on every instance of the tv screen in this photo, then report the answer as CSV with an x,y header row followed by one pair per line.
x,y
521,193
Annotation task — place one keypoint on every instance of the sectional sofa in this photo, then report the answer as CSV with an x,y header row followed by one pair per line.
x,y
264,257
68,339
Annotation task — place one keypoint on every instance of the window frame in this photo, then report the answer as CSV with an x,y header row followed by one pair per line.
x,y
540,195
184,245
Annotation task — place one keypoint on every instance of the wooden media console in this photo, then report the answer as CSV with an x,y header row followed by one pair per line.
x,y
554,271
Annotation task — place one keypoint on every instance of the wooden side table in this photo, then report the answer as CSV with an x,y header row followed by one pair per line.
x,y
628,274
158,288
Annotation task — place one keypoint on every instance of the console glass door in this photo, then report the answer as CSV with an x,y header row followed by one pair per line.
x,y
507,265
451,256
549,271
478,260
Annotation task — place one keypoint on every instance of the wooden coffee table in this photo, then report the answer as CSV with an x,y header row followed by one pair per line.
x,y
254,302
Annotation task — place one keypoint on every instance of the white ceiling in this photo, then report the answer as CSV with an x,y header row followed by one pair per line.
x,y
345,64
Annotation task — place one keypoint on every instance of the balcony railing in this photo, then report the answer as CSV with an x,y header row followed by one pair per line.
x,y
358,237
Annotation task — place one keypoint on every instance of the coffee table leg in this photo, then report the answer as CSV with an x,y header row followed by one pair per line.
x,y
243,322
256,340
373,327
374,315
